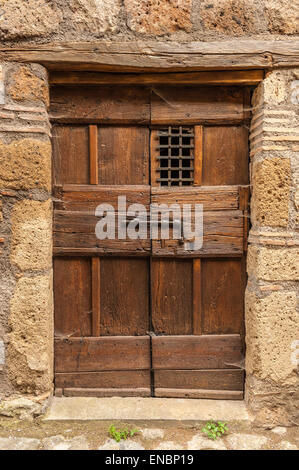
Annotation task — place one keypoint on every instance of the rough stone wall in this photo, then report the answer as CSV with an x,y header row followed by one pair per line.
x,y
26,351
272,317
183,20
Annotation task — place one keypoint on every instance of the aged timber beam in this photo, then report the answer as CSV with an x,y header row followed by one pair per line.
x,y
158,57
223,77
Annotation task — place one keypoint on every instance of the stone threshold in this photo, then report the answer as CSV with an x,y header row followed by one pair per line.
x,y
142,409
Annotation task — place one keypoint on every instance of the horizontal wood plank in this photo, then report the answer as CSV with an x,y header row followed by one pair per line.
x,y
180,105
155,56
107,379
100,105
104,353
106,392
197,352
211,379
242,77
213,198
192,393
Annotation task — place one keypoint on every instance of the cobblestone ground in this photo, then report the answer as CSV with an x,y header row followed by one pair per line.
x,y
92,435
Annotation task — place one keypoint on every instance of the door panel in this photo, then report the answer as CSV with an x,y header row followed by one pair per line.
x,y
171,290
70,154
132,143
104,353
124,296
223,288
225,150
135,317
197,352
72,296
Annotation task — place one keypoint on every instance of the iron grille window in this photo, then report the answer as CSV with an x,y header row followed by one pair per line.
x,y
175,156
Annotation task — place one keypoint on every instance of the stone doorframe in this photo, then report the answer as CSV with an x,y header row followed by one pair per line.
x,y
26,316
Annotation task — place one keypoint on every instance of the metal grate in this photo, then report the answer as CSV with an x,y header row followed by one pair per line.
x,y
175,156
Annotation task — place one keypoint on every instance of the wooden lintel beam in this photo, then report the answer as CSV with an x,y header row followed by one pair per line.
x,y
240,77
143,56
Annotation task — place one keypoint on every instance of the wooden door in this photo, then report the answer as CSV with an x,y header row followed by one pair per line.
x,y
142,317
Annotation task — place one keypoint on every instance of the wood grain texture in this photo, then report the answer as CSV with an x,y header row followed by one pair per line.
x,y
197,352
96,295
72,297
125,296
197,393
225,155
197,298
102,354
223,290
210,379
106,392
171,289
124,155
100,105
191,105
70,154
240,77
155,56
107,379
198,154
218,198
93,154
222,236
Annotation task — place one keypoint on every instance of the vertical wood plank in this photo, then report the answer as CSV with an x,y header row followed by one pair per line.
x,y
93,154
198,154
95,262
153,157
197,327
244,193
96,296
198,158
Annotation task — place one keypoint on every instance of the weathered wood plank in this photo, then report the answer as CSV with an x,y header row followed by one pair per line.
x,y
96,295
86,194
197,298
100,105
158,56
106,392
222,235
198,155
193,393
242,77
216,198
211,379
108,379
191,105
88,244
100,354
93,155
197,352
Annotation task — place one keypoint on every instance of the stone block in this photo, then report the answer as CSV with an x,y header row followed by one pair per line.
x,y
88,17
22,20
271,192
28,84
31,245
30,349
158,16
271,264
231,17
282,17
271,328
25,164
19,443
